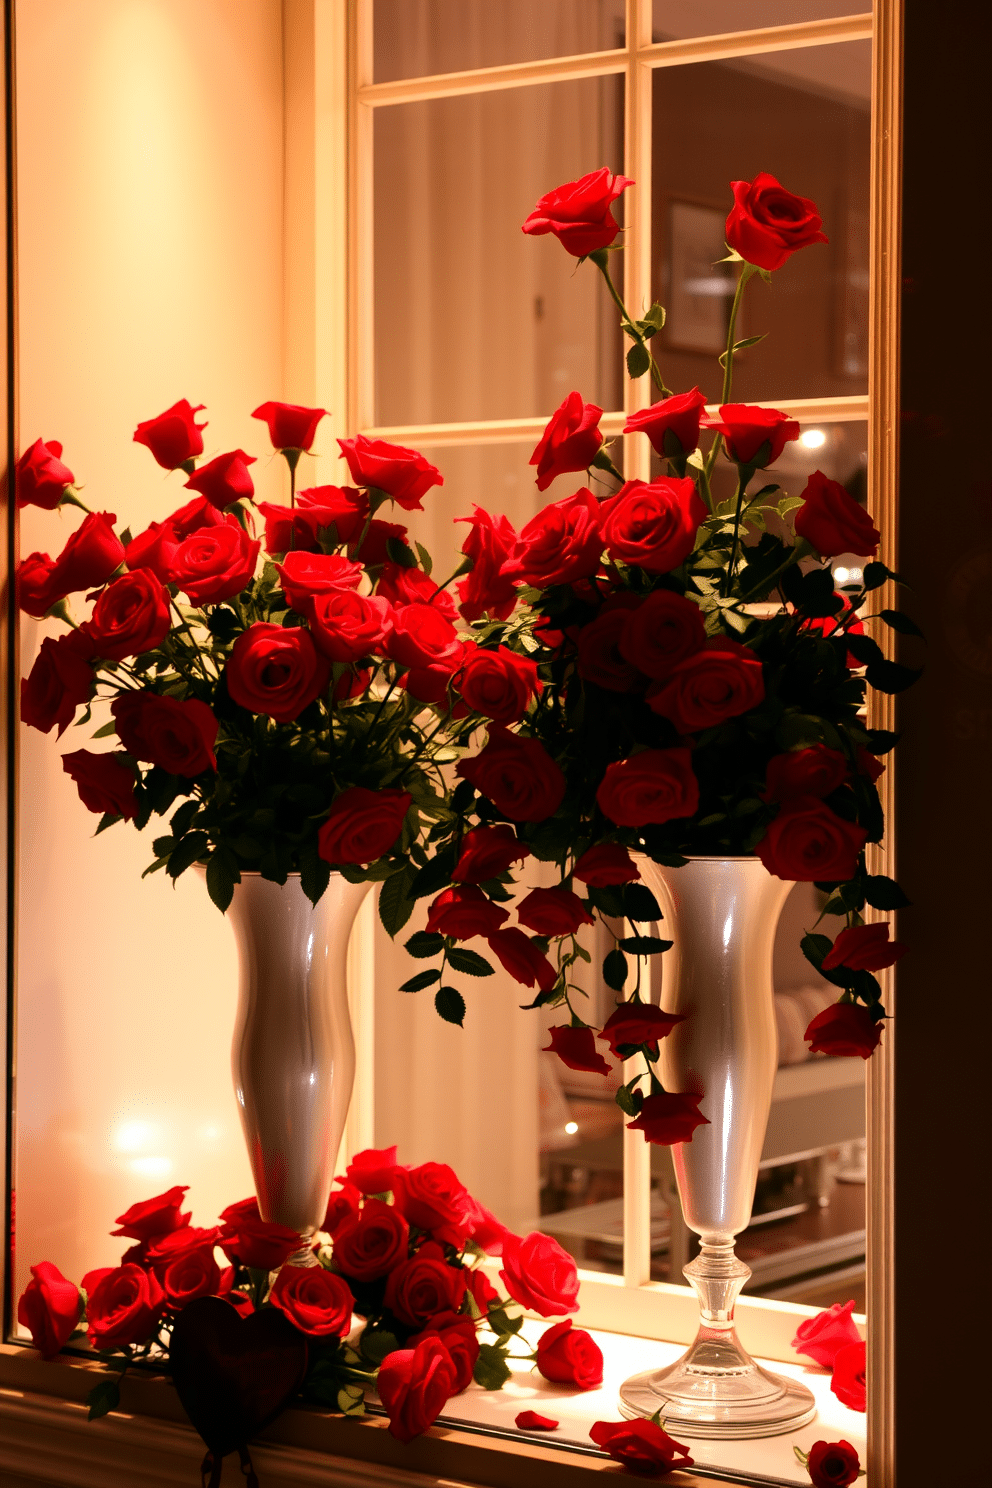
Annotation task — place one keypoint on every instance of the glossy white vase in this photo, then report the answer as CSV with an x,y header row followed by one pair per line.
x,y
721,914
293,1053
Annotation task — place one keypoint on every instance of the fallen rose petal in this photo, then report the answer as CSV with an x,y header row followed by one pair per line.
x,y
531,1421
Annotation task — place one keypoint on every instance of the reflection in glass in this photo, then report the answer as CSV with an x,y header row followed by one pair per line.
x,y
674,20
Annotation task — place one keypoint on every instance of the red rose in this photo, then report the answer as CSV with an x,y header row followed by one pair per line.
x,y
423,1286
41,479
826,625
160,1251
290,426
832,521
34,585
402,586
815,771
346,626
275,670
193,1273
553,912
342,1208
641,1446
576,1047
457,1333
869,765
485,1294
225,479
821,1337
158,1216
153,549
578,213
89,557
662,632
246,1237
421,637
848,1382
748,429
653,526
197,513
569,1356
131,616
672,424
767,224
463,912
58,683
605,865
177,736
529,1420
540,1275
517,775
49,1307
304,575
373,1171
486,590
373,550
402,473
844,1030
499,684
833,1464
105,784
722,681
636,1023
809,843
414,1385
298,529
666,1119
174,437
562,543
525,961
600,658
316,1301
372,1243
215,563
124,1307
432,1197
570,442
864,948
362,825
656,785
486,852
486,1230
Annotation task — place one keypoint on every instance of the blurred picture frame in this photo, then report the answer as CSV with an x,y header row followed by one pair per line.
x,y
700,287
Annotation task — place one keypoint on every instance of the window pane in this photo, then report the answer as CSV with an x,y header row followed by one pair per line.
x,y
839,450
673,19
416,38
473,318
804,116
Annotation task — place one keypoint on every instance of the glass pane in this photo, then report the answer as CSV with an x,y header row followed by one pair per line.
x,y
839,450
473,318
416,38
804,116
673,19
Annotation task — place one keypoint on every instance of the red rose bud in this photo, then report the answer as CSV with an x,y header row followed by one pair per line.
x,y
641,1446
562,543
486,852
569,1356
832,521
151,1217
822,1337
517,775
403,586
864,948
305,575
486,590
815,771
316,1301
49,1307
124,1307
318,510
104,782
656,785
606,865
553,912
153,549
131,616
458,1335
600,659
291,427
276,671
372,1242
402,473
373,1170
843,1030
662,632
525,961
58,683
486,1230
833,1464
722,681
174,437
653,525
578,213
463,912
88,558
848,1382
41,478
346,626
809,843
415,1385
747,429
177,736
34,585
215,563
362,825
570,442
484,1294
529,1420
672,425
667,1119
767,224
869,765
225,479
421,1287
432,1197
576,1047
636,1023
499,684
539,1275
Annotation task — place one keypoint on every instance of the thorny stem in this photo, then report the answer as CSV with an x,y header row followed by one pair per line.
x,y
653,367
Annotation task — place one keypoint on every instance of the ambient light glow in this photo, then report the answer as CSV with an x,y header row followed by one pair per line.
x,y
571,1127
812,439
847,575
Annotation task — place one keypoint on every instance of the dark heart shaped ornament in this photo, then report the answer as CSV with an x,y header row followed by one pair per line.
x,y
234,1374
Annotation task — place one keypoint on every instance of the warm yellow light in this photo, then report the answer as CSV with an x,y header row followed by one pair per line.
x,y
812,439
571,1127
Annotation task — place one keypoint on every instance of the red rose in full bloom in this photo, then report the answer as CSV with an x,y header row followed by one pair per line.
x,y
463,912
486,852
662,632
34,584
192,1273
540,1275
433,1197
402,473
124,1307
578,212
600,659
498,683
815,771
225,479
767,224
864,948
346,626
373,1170
553,912
458,1335
50,1308
843,1030
721,681
58,683
158,1216
653,525
656,785
747,429
245,1236
362,824
605,865
423,1286
316,1301
317,509
214,563
668,1118
275,670
372,1243
174,437
833,1464
420,636
489,544
291,427
104,782
570,441
636,1023
561,544
41,478
809,843
576,1047
89,557
342,1207
304,575
415,1385
177,736
832,521
403,586
848,1382
821,1337
570,1356
672,424
131,616
641,1446
517,775
525,961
